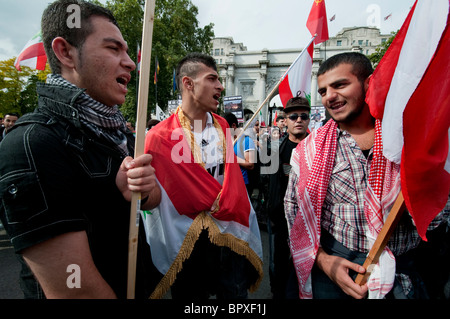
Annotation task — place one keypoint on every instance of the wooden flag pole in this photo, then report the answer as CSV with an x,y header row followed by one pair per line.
x,y
380,243
141,123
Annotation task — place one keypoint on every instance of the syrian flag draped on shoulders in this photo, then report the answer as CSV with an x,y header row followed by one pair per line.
x,y
33,54
409,91
188,194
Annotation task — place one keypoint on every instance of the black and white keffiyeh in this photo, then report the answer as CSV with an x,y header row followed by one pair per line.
x,y
104,121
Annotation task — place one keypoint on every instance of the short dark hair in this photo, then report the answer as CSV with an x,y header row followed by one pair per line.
x,y
231,119
54,24
13,114
280,117
361,65
188,66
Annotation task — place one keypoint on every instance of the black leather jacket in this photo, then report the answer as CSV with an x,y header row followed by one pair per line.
x,y
56,178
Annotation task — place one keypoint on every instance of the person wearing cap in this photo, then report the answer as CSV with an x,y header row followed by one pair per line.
x,y
283,282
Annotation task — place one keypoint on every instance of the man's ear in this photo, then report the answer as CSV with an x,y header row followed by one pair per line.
x,y
65,52
187,82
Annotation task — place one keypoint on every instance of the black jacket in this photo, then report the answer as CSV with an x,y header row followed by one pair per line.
x,y
57,178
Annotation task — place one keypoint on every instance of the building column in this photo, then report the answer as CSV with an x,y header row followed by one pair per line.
x,y
264,63
230,74
317,60
230,80
314,93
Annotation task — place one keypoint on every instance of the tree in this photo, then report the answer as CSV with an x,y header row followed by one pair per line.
x,y
376,57
175,33
18,88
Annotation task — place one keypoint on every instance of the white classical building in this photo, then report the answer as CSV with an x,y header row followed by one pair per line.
x,y
254,74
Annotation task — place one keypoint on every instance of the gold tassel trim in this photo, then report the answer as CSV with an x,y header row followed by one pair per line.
x,y
204,221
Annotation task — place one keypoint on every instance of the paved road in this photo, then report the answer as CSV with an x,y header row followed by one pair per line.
x,y
10,268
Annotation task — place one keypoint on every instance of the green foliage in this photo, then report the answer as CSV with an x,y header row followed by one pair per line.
x,y
376,57
175,33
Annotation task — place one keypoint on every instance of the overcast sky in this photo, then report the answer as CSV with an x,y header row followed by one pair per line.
x,y
258,24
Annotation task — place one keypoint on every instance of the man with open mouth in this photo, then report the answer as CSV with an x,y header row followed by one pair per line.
x,y
66,170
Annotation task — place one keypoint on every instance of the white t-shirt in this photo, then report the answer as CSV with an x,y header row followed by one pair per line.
x,y
211,146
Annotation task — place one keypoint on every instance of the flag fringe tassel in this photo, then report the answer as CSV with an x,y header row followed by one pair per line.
x,y
201,222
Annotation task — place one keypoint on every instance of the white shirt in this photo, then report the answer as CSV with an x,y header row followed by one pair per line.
x,y
211,147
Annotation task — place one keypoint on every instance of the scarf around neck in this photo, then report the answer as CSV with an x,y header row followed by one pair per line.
x,y
107,123
313,161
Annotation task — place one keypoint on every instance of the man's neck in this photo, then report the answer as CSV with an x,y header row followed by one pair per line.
x,y
194,115
359,124
362,130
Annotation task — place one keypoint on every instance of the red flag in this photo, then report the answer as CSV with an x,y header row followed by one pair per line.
x,y
317,21
423,120
275,119
33,54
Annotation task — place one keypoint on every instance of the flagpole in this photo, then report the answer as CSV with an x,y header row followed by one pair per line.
x,y
147,36
156,80
137,73
383,237
273,90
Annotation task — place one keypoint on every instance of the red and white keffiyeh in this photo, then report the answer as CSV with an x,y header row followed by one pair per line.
x,y
313,161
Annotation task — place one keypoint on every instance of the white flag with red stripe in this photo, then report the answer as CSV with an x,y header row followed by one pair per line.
x,y
32,55
297,79
409,91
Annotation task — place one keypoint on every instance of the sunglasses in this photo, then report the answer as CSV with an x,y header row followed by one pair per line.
x,y
295,116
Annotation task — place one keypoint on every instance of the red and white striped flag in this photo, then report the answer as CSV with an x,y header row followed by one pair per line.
x,y
409,91
33,54
297,79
